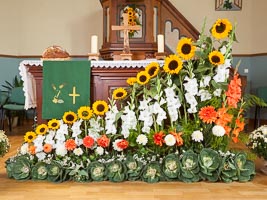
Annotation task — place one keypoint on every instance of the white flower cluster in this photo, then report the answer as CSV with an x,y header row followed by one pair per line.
x,y
110,119
173,103
191,88
258,134
129,121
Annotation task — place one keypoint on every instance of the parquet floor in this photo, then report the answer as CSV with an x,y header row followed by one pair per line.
x,y
16,190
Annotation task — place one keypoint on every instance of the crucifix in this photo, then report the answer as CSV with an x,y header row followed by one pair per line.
x,y
74,95
126,28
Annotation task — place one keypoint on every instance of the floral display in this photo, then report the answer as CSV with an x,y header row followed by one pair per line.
x,y
133,17
172,123
4,143
258,141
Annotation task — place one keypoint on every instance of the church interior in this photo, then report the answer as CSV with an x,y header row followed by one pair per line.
x,y
35,34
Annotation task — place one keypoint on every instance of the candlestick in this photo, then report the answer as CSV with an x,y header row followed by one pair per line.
x,y
160,43
94,42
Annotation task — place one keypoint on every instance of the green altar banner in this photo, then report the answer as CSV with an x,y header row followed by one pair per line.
x,y
66,87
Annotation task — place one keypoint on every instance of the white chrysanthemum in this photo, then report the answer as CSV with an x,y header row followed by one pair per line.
x,y
169,140
142,139
24,148
61,149
78,151
197,136
115,145
218,130
264,129
99,151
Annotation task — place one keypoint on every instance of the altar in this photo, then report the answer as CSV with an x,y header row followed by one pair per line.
x,y
105,77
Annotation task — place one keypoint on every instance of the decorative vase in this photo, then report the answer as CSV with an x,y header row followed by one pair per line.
x,y
264,167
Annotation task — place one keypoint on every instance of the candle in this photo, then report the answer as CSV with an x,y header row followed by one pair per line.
x,y
94,42
160,43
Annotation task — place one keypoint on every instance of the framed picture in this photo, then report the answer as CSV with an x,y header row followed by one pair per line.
x,y
225,5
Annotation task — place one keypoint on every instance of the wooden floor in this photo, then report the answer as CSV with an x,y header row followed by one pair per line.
x,y
16,190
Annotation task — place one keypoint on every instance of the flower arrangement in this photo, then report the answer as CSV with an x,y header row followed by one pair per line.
x,y
4,143
173,122
257,142
133,17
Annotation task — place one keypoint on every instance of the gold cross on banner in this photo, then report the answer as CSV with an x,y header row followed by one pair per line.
x,y
74,95
126,28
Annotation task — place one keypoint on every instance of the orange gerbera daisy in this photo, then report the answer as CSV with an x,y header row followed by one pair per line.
x,y
123,144
70,144
208,114
178,137
32,149
47,148
88,142
158,138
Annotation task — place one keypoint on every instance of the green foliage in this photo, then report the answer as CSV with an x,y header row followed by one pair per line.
x,y
116,171
97,171
56,173
20,168
209,161
16,82
171,167
152,173
189,167
134,168
228,169
245,168
39,171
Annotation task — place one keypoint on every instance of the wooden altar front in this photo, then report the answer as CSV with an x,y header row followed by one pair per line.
x,y
105,77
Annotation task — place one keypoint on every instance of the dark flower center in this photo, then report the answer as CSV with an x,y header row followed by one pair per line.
x,y
30,137
42,130
186,48
215,59
143,78
85,113
173,65
119,94
54,124
151,71
100,108
220,28
70,118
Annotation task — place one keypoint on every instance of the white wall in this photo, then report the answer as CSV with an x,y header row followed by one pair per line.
x,y
29,26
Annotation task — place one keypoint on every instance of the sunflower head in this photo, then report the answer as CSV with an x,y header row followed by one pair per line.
x,y
152,69
100,107
119,93
85,112
30,136
41,129
69,117
221,28
185,48
131,80
173,64
142,77
53,124
216,58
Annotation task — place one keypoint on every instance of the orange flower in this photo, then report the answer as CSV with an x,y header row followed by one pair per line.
x,y
179,139
208,114
88,142
235,139
47,148
32,149
123,144
234,91
70,144
103,141
240,124
158,138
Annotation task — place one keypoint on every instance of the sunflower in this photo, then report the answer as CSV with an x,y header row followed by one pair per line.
x,y
41,129
85,112
142,77
185,48
53,124
69,117
152,69
173,64
119,93
216,58
100,107
131,80
29,136
221,28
